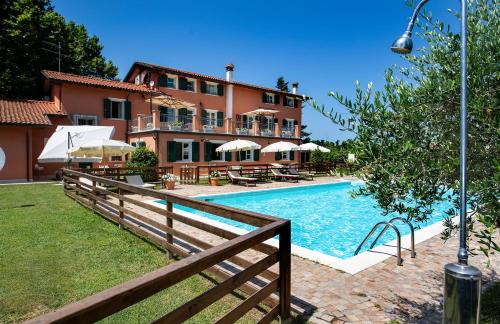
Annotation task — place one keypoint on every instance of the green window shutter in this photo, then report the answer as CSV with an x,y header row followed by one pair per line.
x,y
196,151
256,155
162,80
220,119
203,87
183,112
295,102
237,156
163,110
283,122
276,99
277,156
264,98
275,120
178,151
208,152
134,144
220,89
182,83
171,151
295,123
107,108
228,156
292,155
128,110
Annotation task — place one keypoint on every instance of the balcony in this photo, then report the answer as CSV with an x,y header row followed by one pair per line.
x,y
193,123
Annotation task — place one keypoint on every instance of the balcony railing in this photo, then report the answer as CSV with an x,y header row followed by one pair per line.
x,y
209,125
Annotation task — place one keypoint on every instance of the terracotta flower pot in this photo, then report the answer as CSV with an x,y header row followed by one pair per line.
x,y
170,185
214,182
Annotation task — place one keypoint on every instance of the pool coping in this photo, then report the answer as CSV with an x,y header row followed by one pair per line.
x,y
350,265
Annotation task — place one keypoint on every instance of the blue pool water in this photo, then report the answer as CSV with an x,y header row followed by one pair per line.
x,y
325,218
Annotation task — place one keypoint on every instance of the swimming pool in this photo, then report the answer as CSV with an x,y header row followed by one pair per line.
x,y
325,218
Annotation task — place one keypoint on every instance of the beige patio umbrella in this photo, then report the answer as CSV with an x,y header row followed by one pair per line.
x,y
280,147
313,147
100,148
171,102
238,145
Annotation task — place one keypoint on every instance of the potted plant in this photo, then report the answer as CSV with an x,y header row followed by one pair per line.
x,y
208,128
176,125
214,178
169,181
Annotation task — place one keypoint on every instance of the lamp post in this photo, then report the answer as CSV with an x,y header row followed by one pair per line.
x,y
462,282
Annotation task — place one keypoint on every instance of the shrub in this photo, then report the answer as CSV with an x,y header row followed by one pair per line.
x,y
143,157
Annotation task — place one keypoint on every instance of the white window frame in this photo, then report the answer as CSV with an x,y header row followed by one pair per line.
x,y
76,117
289,123
212,117
285,156
251,159
121,115
269,94
176,81
194,84
214,85
269,123
190,149
249,122
223,154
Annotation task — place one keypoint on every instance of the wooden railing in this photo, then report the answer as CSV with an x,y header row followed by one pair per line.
x,y
225,261
120,173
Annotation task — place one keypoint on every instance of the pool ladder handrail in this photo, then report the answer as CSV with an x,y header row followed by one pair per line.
x,y
398,234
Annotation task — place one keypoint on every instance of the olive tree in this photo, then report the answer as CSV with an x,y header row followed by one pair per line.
x,y
408,132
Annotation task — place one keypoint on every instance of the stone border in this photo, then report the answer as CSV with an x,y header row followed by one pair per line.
x,y
350,265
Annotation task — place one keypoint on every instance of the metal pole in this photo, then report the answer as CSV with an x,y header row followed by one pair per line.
x,y
462,292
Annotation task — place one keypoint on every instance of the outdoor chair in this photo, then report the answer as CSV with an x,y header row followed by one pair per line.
x,y
236,178
277,174
136,180
303,175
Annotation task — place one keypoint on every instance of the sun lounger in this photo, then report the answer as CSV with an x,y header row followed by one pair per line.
x,y
302,175
277,174
136,180
236,178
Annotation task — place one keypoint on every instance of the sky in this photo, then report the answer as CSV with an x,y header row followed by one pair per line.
x,y
324,45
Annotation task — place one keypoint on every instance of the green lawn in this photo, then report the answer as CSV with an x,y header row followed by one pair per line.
x,y
53,252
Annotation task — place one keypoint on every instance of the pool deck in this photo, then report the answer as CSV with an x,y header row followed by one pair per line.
x,y
383,292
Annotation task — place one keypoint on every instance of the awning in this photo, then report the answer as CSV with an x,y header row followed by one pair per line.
x,y
171,102
261,111
313,147
66,137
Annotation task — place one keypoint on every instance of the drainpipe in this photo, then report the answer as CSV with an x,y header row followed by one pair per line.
x,y
27,155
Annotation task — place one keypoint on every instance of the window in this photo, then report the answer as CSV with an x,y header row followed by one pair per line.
x,y
268,123
117,109
212,89
246,155
186,151
116,158
269,98
211,118
288,124
289,102
190,85
285,155
81,120
214,155
171,82
247,122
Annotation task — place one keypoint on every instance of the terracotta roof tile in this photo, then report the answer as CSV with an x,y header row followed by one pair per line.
x,y
27,112
206,77
94,81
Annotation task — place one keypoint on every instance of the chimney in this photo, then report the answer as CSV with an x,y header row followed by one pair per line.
x,y
229,72
295,87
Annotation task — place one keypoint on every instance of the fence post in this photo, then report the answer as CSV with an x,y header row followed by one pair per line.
x,y
170,224
285,259
94,192
121,214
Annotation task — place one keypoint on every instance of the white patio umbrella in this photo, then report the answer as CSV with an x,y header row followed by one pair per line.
x,y
313,147
280,147
101,148
238,145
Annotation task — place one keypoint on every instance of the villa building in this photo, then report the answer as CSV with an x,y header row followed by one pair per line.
x,y
216,110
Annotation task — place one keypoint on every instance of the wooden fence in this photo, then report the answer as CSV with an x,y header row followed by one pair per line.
x,y
224,261
120,173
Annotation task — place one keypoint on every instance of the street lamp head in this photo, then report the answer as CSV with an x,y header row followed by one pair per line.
x,y
403,45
